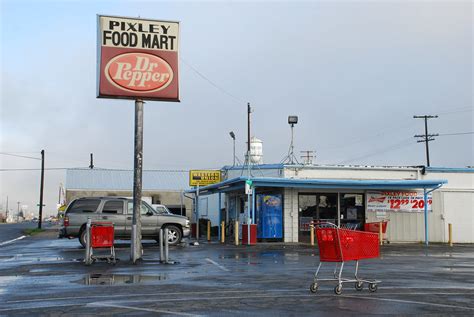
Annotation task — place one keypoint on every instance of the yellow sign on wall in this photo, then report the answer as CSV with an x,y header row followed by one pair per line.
x,y
204,177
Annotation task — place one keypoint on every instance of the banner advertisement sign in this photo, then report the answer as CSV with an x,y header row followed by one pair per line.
x,y
402,201
204,177
137,59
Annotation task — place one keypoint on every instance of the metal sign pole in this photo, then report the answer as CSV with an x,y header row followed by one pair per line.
x,y
197,213
136,245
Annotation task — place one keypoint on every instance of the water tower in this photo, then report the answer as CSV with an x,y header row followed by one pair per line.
x,y
256,151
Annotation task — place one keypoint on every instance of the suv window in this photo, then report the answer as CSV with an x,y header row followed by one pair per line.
x,y
113,207
143,210
84,205
161,210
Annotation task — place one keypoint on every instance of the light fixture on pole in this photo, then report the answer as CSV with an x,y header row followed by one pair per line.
x,y
232,135
290,158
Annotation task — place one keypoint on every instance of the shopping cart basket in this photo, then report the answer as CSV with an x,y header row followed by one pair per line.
x,y
342,245
375,227
102,236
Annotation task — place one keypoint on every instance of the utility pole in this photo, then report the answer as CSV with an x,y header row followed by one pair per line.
x,y
308,157
40,220
18,210
249,111
91,166
426,137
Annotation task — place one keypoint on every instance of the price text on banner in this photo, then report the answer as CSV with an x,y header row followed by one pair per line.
x,y
405,201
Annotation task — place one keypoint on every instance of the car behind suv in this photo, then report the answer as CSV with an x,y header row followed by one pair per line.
x,y
119,211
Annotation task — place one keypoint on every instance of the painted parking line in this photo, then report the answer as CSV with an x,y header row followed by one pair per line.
x,y
151,310
409,302
11,241
217,264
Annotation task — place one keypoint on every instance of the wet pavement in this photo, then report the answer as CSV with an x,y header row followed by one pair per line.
x,y
41,275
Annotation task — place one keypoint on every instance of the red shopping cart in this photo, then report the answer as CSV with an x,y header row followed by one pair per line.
x,y
342,245
375,227
101,236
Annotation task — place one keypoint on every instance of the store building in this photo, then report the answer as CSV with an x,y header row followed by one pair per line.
x,y
286,198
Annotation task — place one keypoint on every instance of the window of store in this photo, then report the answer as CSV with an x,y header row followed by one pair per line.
x,y
352,211
315,207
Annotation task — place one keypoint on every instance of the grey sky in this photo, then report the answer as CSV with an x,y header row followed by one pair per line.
x,y
354,72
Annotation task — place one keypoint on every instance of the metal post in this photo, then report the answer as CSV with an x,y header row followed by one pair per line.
x,y
236,232
41,191
136,245
253,206
208,230
181,201
197,213
88,259
450,229
222,234
220,216
162,258
166,240
233,164
249,220
381,232
425,195
311,234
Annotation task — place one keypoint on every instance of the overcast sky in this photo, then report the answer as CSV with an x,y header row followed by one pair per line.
x,y
354,72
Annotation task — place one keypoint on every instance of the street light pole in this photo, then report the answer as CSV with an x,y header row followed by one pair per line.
x,y
232,135
40,220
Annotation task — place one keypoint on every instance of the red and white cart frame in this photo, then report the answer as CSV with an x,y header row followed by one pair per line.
x,y
100,235
341,245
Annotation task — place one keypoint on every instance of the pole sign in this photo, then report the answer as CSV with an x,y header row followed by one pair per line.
x,y
204,177
402,201
137,59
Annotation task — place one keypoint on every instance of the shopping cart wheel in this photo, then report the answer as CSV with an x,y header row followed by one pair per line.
x,y
338,289
359,286
373,287
313,287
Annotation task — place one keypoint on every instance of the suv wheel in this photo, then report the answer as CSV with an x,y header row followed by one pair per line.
x,y
82,237
174,235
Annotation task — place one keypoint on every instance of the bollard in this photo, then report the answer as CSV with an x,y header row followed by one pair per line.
x,y
166,245
236,232
88,259
380,232
223,232
208,230
311,235
450,230
161,246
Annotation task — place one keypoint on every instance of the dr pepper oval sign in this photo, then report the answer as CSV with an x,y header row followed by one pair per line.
x,y
138,59
139,72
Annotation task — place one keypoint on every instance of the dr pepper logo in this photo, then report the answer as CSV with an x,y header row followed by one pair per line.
x,y
139,72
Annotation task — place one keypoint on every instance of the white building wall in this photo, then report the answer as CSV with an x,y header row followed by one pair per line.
x,y
459,211
410,226
290,215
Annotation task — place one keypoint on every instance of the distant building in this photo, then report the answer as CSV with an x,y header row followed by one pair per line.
x,y
158,187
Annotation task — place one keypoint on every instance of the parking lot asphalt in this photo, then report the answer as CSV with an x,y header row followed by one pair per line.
x,y
42,275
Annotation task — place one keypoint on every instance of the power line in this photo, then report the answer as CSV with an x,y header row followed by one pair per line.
x,y
390,148
211,82
458,133
23,156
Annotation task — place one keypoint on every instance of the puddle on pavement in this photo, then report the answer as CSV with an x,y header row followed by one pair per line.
x,y
120,279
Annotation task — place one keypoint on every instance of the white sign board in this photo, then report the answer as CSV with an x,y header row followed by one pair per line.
x,y
397,201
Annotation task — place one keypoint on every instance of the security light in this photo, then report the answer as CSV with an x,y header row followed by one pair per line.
x,y
292,119
232,135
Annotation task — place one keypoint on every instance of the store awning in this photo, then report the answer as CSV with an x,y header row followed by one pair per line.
x,y
239,183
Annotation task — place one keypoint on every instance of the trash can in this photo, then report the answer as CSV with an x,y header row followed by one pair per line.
x,y
253,234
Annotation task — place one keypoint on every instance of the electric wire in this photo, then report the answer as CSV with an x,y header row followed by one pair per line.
x,y
22,156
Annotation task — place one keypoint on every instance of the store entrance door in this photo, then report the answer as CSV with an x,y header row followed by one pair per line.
x,y
315,207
